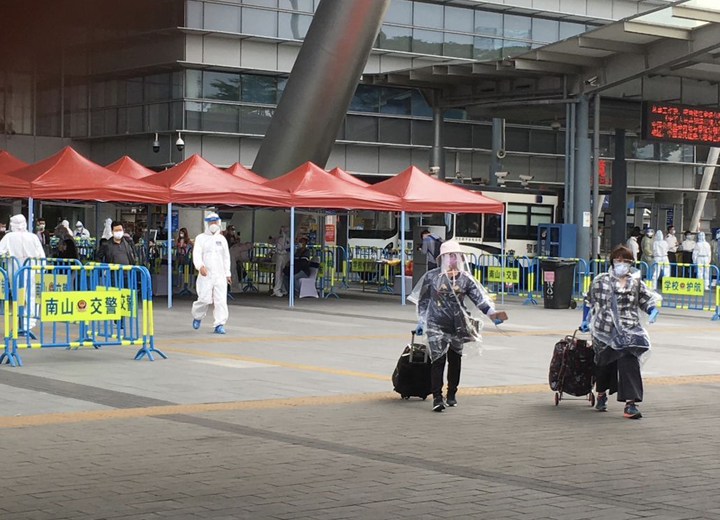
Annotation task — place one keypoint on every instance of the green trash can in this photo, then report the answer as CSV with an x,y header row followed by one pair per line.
x,y
558,280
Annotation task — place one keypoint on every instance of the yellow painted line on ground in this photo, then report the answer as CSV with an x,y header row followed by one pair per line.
x,y
267,404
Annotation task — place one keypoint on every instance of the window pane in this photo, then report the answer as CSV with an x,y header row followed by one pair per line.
x,y
394,38
517,26
361,128
543,142
281,82
420,106
259,89
221,85
488,23
366,99
422,133
221,118
261,23
400,11
293,26
193,87
157,87
491,230
255,120
264,3
458,45
97,122
515,48
134,91
219,17
482,136
176,85
110,122
297,5
396,131
544,30
487,49
194,17
135,120
428,15
456,113
459,19
569,29
427,42
458,135
395,101
518,139
157,117
193,113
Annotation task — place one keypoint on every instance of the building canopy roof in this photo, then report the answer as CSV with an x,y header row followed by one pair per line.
x,y
418,192
128,167
67,175
238,170
309,186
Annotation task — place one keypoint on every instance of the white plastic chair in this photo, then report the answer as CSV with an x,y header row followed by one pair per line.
x,y
307,285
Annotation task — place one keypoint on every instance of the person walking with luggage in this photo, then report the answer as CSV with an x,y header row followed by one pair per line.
x,y
611,314
449,302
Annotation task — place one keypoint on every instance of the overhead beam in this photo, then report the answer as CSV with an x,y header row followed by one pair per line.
x,y
544,67
586,42
568,59
659,31
695,13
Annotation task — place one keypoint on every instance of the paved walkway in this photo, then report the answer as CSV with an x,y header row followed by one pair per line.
x,y
290,416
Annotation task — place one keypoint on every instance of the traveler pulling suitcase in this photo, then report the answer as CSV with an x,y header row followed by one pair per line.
x,y
572,369
411,377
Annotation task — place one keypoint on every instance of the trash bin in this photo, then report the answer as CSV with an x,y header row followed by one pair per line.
x,y
558,280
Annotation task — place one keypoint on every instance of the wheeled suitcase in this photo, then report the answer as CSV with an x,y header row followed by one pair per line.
x,y
572,369
411,377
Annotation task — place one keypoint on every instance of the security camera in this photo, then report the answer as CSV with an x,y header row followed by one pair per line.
x,y
180,143
501,154
525,179
501,177
592,81
156,144
555,125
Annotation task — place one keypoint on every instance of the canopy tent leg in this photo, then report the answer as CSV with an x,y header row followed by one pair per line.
x,y
31,203
252,230
291,284
402,258
169,255
502,257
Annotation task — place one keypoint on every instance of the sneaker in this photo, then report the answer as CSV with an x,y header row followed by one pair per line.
x,y
451,401
601,403
631,411
219,329
438,404
196,324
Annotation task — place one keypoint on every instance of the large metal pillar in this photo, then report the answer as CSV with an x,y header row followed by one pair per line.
x,y
581,181
321,85
437,154
708,173
498,148
571,172
597,202
618,198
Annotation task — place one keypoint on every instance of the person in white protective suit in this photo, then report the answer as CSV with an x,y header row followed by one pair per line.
x,y
282,257
22,244
107,233
80,230
661,260
66,225
449,305
702,255
211,257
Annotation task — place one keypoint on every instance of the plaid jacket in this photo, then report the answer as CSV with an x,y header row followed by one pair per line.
x,y
631,297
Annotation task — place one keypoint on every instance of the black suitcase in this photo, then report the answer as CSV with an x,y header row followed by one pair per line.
x,y
411,377
572,369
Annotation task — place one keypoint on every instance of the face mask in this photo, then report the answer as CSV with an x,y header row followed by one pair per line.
x,y
688,237
672,232
650,235
621,269
41,227
117,235
182,235
214,228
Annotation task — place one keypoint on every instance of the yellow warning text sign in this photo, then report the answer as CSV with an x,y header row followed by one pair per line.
x,y
495,274
686,286
86,305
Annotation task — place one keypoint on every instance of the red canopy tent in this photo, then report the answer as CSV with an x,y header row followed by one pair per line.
x,y
8,162
309,186
418,192
238,170
196,181
67,175
127,167
347,177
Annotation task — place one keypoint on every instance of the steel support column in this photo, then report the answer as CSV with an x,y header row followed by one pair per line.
x,y
597,203
708,174
618,197
437,154
498,146
581,181
321,85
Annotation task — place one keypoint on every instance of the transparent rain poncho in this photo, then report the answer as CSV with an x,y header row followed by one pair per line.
x,y
615,307
449,306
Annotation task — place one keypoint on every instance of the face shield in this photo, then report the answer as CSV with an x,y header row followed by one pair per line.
x,y
18,223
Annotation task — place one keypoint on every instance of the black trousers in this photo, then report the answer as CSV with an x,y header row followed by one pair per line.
x,y
621,376
454,362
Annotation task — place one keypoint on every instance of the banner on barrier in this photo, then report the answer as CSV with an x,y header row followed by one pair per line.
x,y
495,274
86,305
686,286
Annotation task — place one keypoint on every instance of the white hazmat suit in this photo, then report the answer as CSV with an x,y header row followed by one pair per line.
x,y
80,230
660,250
282,256
107,229
212,253
702,255
21,244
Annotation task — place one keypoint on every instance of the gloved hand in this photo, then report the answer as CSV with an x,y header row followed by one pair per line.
x,y
653,315
419,330
584,326
497,321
